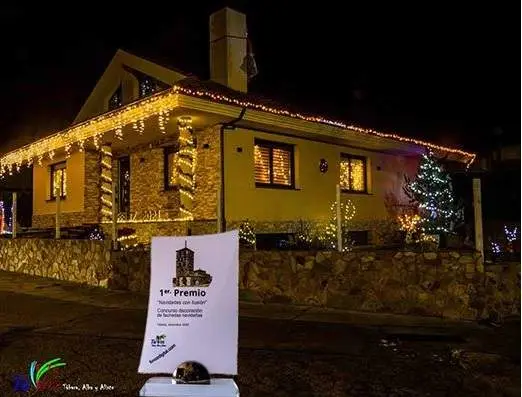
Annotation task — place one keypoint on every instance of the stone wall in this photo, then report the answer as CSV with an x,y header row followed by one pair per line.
x,y
82,261
447,284
146,230
131,270
444,284
147,188
67,219
208,174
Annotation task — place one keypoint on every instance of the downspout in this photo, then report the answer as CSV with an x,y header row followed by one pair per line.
x,y
226,126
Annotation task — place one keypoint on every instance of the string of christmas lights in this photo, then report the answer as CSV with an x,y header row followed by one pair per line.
x,y
495,247
262,166
432,191
347,214
511,235
2,218
304,234
186,166
106,183
165,101
352,174
246,234
281,168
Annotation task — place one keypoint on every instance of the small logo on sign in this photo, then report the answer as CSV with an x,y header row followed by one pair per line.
x,y
158,341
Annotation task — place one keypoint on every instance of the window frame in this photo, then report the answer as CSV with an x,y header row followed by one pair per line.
x,y
347,156
53,169
168,150
276,145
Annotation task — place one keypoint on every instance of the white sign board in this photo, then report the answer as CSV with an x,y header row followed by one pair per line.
x,y
193,304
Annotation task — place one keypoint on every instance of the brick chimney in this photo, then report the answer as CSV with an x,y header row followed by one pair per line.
x,y
228,48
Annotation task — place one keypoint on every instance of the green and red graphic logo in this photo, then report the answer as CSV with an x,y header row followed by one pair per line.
x,y
22,383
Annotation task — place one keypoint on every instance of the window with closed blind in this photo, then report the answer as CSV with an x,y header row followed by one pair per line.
x,y
274,164
353,174
58,180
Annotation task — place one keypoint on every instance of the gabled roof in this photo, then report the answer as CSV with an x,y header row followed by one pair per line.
x,y
112,77
195,84
86,126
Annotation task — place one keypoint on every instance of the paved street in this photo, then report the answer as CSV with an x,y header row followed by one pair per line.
x,y
284,351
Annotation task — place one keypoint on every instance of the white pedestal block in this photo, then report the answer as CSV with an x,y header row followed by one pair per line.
x,y
164,387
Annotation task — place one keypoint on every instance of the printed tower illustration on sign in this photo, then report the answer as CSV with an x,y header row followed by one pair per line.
x,y
186,276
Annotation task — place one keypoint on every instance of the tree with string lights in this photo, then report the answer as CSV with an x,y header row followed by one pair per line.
x,y
247,236
432,191
329,238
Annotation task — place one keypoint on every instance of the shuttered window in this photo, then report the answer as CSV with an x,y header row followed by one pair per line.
x,y
58,180
353,173
274,164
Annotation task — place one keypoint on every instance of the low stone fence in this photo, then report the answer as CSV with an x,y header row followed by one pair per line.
x,y
83,261
448,284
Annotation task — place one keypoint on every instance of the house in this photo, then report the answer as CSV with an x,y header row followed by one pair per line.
x,y
176,154
501,173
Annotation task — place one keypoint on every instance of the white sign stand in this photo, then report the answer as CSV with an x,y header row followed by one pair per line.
x,y
166,387
192,316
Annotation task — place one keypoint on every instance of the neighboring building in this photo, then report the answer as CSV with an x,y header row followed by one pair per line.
x,y
19,183
181,153
501,190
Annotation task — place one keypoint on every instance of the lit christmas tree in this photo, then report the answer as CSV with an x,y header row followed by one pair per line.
x,y
432,191
330,236
247,235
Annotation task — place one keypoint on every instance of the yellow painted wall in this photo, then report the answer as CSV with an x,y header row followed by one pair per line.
x,y
74,201
315,191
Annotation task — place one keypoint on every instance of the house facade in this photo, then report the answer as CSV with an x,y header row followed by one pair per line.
x,y
170,154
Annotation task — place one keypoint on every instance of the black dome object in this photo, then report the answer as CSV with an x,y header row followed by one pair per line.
x,y
191,372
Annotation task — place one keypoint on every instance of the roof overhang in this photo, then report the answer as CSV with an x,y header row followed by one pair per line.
x,y
223,109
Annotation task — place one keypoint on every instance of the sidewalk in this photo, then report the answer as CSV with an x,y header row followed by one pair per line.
x,y
103,298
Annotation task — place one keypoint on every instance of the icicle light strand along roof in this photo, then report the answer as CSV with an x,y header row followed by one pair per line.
x,y
318,119
167,100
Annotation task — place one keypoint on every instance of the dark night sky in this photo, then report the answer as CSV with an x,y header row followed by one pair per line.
x,y
446,72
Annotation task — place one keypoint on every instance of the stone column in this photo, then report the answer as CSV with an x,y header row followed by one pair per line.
x,y
186,167
106,184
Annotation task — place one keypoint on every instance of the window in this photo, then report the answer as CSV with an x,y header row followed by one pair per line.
x,y
274,163
353,174
149,85
171,167
58,180
116,99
